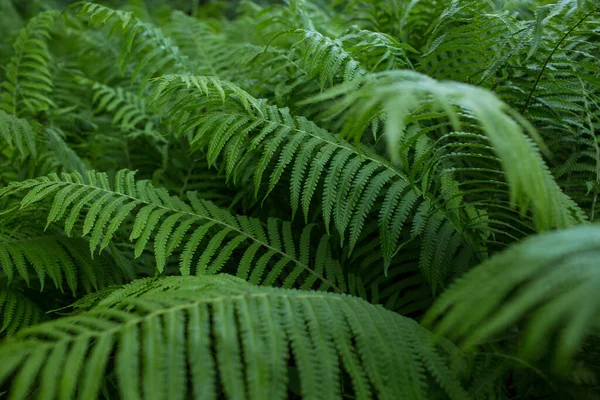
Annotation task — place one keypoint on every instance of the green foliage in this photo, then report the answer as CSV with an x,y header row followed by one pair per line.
x,y
28,80
303,199
214,325
550,280
201,229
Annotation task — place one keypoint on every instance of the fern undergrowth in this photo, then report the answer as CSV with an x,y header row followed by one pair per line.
x,y
344,199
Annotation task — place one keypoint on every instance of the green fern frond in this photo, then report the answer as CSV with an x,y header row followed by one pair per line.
x,y
348,183
130,111
407,20
209,50
28,81
25,253
377,51
17,311
548,283
327,58
17,133
492,37
283,147
209,235
201,335
398,95
404,289
146,46
58,155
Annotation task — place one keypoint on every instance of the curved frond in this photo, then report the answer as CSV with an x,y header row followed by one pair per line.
x,y
202,335
207,48
28,81
129,111
347,183
548,283
17,133
150,51
207,235
31,255
401,97
17,311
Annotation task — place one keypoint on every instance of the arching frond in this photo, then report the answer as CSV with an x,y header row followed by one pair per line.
x,y
209,235
409,21
402,97
59,156
326,58
17,133
208,49
348,183
17,311
28,81
547,283
150,51
202,335
31,255
492,37
475,126
129,111
377,51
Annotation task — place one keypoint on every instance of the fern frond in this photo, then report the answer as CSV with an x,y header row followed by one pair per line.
x,y
327,58
146,46
348,183
179,332
17,133
58,155
398,95
547,283
404,288
17,311
470,42
206,47
129,111
208,234
407,20
28,81
25,253
377,51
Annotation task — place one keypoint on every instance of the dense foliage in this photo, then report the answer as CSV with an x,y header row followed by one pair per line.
x,y
386,199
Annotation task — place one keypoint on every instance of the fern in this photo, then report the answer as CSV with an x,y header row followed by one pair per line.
x,y
17,133
28,77
351,183
154,50
174,223
129,110
535,190
17,311
549,280
209,325
287,188
53,256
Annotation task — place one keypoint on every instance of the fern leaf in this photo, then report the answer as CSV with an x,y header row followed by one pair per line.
x,y
28,82
548,280
156,212
17,133
263,129
185,315
146,46
400,92
17,311
52,255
